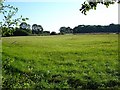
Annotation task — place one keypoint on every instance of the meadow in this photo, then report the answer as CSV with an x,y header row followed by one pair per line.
x,y
61,61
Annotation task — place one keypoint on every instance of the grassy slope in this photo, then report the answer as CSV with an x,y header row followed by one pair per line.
x,y
76,61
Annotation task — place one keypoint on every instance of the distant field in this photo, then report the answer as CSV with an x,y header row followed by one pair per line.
x,y
68,61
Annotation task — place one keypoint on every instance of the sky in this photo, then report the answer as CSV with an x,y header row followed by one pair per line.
x,y
53,14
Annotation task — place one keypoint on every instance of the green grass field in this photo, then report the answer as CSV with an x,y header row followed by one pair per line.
x,y
62,61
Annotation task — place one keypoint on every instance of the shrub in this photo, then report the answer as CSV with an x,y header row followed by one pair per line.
x,y
7,31
53,33
20,33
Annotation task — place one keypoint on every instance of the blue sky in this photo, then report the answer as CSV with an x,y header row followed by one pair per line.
x,y
52,14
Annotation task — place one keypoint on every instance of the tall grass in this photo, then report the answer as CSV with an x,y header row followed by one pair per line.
x,y
68,61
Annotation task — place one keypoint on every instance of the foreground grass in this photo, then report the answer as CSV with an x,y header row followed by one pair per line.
x,y
70,61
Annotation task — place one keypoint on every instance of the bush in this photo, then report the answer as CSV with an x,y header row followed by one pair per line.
x,y
7,31
53,33
20,33
45,33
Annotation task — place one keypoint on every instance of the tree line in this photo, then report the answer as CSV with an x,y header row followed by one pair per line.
x,y
112,28
25,29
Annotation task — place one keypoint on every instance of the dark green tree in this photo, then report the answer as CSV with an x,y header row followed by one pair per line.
x,y
23,30
23,25
112,28
37,29
53,33
40,29
62,30
65,30
34,28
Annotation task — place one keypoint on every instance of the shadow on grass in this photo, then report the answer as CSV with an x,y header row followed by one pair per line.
x,y
16,78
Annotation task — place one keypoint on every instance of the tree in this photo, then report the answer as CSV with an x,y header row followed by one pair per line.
x,y
46,33
112,28
23,25
26,27
37,29
62,30
8,12
53,33
40,29
34,28
92,4
69,30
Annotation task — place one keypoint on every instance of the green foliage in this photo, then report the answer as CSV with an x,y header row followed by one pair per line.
x,y
37,29
64,61
64,30
23,19
7,31
92,4
112,28
53,33
20,32
8,12
46,33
